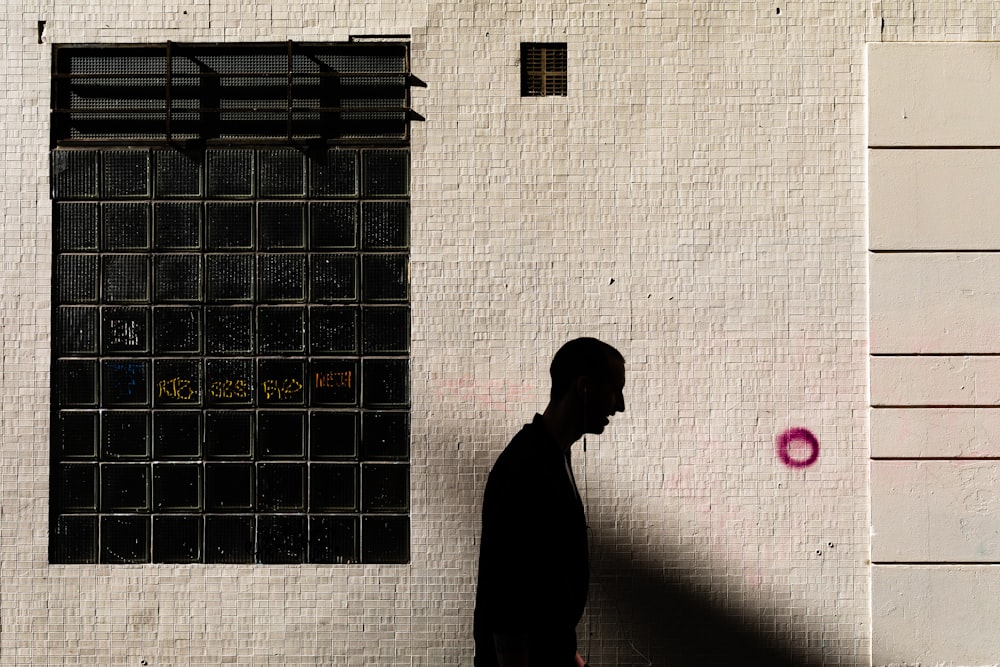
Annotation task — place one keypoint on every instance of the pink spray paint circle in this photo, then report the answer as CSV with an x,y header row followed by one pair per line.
x,y
798,448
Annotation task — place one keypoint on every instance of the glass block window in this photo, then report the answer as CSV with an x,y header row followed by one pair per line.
x,y
543,69
230,379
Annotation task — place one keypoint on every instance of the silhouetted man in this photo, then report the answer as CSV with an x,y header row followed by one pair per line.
x,y
533,560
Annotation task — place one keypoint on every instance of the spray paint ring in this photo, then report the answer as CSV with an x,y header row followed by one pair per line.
x,y
797,436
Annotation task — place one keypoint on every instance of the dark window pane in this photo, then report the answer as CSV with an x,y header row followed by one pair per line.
x,y
76,330
176,434
336,175
281,487
124,382
281,539
282,382
386,382
334,382
280,434
333,487
334,277
282,173
385,435
126,226
76,278
75,434
126,174
229,329
282,277
75,486
230,173
333,539
178,278
176,539
385,329
176,487
387,172
229,539
74,540
385,488
230,277
230,381
333,435
177,174
124,435
74,174
177,226
177,383
124,487
75,383
125,330
124,539
384,278
385,539
76,226
333,329
176,330
228,434
125,278
282,225
333,224
230,226
385,224
281,329
229,486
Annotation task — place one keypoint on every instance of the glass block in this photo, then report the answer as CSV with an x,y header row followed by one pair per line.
x,y
125,330
125,278
177,277
281,539
385,487
177,226
74,174
126,174
282,225
125,487
230,381
385,329
124,435
385,436
229,277
177,539
281,434
229,329
176,434
281,329
76,487
125,226
75,383
177,330
230,225
229,539
385,382
333,539
76,226
228,434
385,224
281,487
282,277
385,539
282,173
230,173
333,381
124,539
76,278
75,434
333,435
387,172
333,224
76,330
336,174
176,382
176,487
385,278
178,174
124,382
333,329
334,277
229,487
333,487
282,382
74,540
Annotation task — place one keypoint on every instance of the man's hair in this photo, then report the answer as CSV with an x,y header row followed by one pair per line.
x,y
586,357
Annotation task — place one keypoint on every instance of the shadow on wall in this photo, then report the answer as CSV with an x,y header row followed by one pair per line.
x,y
672,625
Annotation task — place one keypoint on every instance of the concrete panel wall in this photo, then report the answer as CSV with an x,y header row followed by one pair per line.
x,y
917,433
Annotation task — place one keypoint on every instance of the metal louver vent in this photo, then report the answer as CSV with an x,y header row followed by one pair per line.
x,y
543,70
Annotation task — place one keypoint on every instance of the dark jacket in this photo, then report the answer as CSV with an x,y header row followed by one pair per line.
x,y
533,560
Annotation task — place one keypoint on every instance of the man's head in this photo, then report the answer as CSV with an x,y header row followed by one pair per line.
x,y
590,374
